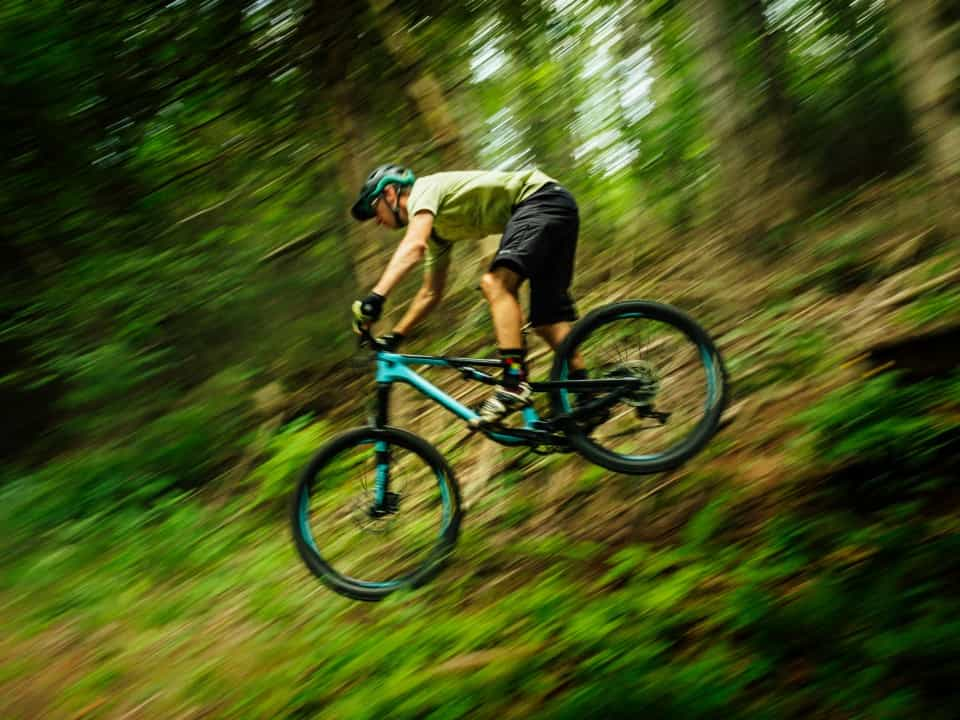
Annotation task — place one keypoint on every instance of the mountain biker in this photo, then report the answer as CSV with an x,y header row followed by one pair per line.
x,y
539,222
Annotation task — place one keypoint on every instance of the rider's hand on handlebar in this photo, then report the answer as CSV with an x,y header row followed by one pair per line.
x,y
366,312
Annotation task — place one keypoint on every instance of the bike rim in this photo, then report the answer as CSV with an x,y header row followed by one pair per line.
x,y
339,521
682,379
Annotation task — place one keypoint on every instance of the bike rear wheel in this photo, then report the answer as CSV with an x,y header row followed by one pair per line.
x,y
377,510
678,394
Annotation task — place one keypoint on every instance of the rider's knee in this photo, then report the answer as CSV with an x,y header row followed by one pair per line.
x,y
500,281
554,333
492,285
547,334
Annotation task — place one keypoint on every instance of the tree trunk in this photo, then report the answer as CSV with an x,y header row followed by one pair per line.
x,y
930,63
352,168
757,190
420,84
327,42
773,59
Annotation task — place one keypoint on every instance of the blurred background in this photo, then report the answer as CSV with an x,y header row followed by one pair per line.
x,y
178,262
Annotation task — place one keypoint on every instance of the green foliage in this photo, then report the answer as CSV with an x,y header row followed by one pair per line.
x,y
932,307
287,455
184,448
882,421
889,441
708,522
842,262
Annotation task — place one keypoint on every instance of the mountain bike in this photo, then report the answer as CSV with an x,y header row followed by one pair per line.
x,y
378,507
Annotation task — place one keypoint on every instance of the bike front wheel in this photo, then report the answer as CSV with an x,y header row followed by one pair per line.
x,y
677,387
377,510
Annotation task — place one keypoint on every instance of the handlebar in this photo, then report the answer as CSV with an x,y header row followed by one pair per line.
x,y
366,340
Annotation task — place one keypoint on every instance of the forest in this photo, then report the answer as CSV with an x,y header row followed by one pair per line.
x,y
179,261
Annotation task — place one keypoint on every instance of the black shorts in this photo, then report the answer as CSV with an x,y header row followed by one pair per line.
x,y
539,243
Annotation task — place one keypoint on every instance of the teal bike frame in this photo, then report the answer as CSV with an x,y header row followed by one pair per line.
x,y
535,431
393,368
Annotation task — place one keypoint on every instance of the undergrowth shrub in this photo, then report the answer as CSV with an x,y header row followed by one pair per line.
x,y
782,350
842,263
184,448
288,453
882,419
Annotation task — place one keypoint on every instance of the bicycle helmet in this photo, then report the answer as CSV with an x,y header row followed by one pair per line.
x,y
375,183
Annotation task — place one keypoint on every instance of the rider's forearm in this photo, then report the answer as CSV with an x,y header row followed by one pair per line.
x,y
403,260
423,302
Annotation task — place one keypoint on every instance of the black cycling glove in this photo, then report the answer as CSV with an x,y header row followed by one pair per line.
x,y
367,311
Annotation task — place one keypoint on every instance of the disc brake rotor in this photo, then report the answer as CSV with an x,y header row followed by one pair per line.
x,y
370,517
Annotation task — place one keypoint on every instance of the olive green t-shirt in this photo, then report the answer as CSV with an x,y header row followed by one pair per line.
x,y
469,205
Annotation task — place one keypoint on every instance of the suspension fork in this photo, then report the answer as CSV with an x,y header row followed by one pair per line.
x,y
382,485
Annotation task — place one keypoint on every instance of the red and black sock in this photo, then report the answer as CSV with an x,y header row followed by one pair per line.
x,y
514,367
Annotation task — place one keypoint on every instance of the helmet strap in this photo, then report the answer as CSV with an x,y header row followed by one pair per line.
x,y
396,210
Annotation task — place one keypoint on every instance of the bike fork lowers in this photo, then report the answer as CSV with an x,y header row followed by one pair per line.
x,y
384,501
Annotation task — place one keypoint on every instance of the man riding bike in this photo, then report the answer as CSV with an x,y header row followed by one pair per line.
x,y
539,222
